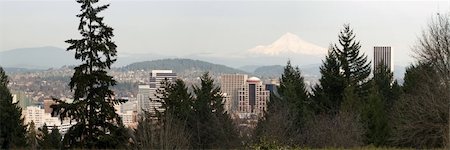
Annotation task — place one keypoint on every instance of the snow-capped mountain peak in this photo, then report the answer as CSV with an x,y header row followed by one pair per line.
x,y
289,43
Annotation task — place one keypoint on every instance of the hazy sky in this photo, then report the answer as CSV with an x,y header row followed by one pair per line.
x,y
180,28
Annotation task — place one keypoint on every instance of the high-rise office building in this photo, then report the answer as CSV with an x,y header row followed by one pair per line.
x,y
230,84
253,97
147,94
143,98
156,77
382,55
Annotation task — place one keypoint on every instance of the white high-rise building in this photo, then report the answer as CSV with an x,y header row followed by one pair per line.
x,y
34,114
147,94
383,55
143,98
38,116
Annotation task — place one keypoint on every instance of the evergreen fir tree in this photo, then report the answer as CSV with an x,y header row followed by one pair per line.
x,y
175,99
383,79
55,138
12,128
211,127
43,134
382,96
292,90
32,136
50,140
327,95
396,91
351,102
375,118
93,106
355,67
289,105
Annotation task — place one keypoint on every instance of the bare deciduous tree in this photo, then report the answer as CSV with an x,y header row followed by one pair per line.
x,y
421,115
167,133
434,46
343,130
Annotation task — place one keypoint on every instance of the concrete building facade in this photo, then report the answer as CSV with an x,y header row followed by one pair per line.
x,y
147,95
230,84
253,97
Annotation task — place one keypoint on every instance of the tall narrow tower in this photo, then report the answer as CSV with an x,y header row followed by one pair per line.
x,y
382,55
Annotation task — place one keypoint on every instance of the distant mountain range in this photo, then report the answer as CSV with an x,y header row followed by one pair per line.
x,y
37,58
54,57
182,66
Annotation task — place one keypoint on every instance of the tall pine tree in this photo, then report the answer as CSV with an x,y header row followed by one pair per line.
x,y
292,90
32,136
50,140
383,94
327,95
344,71
175,99
211,126
287,111
375,118
93,106
12,128
355,67
388,88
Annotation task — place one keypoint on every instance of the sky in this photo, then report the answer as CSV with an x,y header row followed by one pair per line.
x,y
183,28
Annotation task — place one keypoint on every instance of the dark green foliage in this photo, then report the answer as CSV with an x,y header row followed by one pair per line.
x,y
386,86
50,140
12,128
351,103
169,130
211,126
198,122
287,111
97,123
175,99
327,96
375,118
292,90
182,66
356,69
344,69
32,140
383,94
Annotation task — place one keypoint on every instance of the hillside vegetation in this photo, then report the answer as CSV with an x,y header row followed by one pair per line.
x,y
182,66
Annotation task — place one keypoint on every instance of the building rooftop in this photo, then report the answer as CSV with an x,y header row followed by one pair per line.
x,y
253,79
